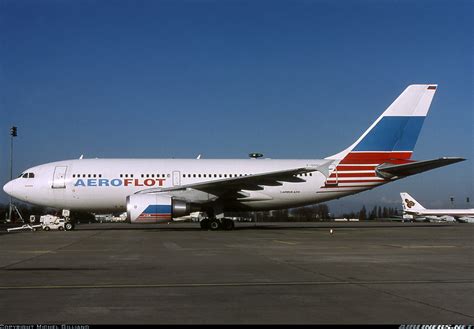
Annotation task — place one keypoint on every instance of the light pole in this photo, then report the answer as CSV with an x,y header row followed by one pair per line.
x,y
13,133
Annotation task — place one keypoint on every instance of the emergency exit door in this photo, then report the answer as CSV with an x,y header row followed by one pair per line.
x,y
176,178
59,177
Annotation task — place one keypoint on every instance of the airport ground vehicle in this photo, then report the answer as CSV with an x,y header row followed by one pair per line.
x,y
50,222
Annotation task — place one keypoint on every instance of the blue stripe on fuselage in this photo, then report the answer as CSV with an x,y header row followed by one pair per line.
x,y
392,134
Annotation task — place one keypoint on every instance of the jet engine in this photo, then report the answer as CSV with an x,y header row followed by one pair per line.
x,y
155,208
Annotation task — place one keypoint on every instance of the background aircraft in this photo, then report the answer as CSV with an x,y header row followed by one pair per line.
x,y
415,209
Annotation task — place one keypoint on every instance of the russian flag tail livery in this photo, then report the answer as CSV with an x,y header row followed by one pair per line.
x,y
390,139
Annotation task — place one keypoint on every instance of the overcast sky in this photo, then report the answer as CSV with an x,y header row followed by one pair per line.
x,y
290,79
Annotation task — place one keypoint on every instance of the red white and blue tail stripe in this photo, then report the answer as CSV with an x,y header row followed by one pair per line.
x,y
390,139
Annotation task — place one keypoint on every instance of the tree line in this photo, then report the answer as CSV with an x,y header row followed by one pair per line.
x,y
318,212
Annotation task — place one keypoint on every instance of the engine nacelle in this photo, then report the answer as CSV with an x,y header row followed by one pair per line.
x,y
155,208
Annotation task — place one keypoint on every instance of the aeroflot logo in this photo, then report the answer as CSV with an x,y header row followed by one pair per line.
x,y
120,182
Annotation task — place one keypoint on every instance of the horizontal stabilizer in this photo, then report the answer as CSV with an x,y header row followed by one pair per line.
x,y
416,167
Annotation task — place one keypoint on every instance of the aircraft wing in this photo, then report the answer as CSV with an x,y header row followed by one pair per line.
x,y
416,167
255,182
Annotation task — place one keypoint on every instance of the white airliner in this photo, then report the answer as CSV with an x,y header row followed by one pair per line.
x,y
414,208
159,190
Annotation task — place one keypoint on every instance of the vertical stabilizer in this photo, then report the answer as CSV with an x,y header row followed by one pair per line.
x,y
409,203
389,140
395,132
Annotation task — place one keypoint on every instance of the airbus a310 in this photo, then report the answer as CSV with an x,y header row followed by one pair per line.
x,y
159,190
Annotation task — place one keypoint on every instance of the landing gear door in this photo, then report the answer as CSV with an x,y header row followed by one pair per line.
x,y
176,178
59,177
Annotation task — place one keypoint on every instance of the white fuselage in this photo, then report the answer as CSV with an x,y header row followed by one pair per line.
x,y
104,184
442,212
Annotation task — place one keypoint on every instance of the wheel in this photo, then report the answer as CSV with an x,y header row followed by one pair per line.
x,y
69,226
215,224
228,224
204,224
46,228
60,228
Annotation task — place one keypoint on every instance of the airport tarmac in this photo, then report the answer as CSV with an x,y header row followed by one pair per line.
x,y
268,273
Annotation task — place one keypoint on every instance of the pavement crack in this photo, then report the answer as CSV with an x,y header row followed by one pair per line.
x,y
412,299
48,251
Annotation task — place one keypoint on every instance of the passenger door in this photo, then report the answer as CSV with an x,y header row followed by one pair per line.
x,y
59,177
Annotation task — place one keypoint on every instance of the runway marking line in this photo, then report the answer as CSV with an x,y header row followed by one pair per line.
x,y
285,242
233,284
419,246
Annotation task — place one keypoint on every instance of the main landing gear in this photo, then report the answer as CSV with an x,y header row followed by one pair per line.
x,y
215,224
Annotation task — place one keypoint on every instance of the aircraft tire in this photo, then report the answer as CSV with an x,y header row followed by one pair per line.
x,y
215,224
69,226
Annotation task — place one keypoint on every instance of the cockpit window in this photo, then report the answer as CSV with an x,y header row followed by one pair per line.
x,y
25,175
31,175
20,175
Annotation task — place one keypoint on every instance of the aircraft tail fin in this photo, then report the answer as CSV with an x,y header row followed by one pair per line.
x,y
393,135
409,203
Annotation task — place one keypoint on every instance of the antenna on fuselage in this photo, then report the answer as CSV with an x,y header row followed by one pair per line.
x,y
255,155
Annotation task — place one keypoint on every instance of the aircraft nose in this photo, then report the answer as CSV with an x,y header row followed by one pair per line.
x,y
8,188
